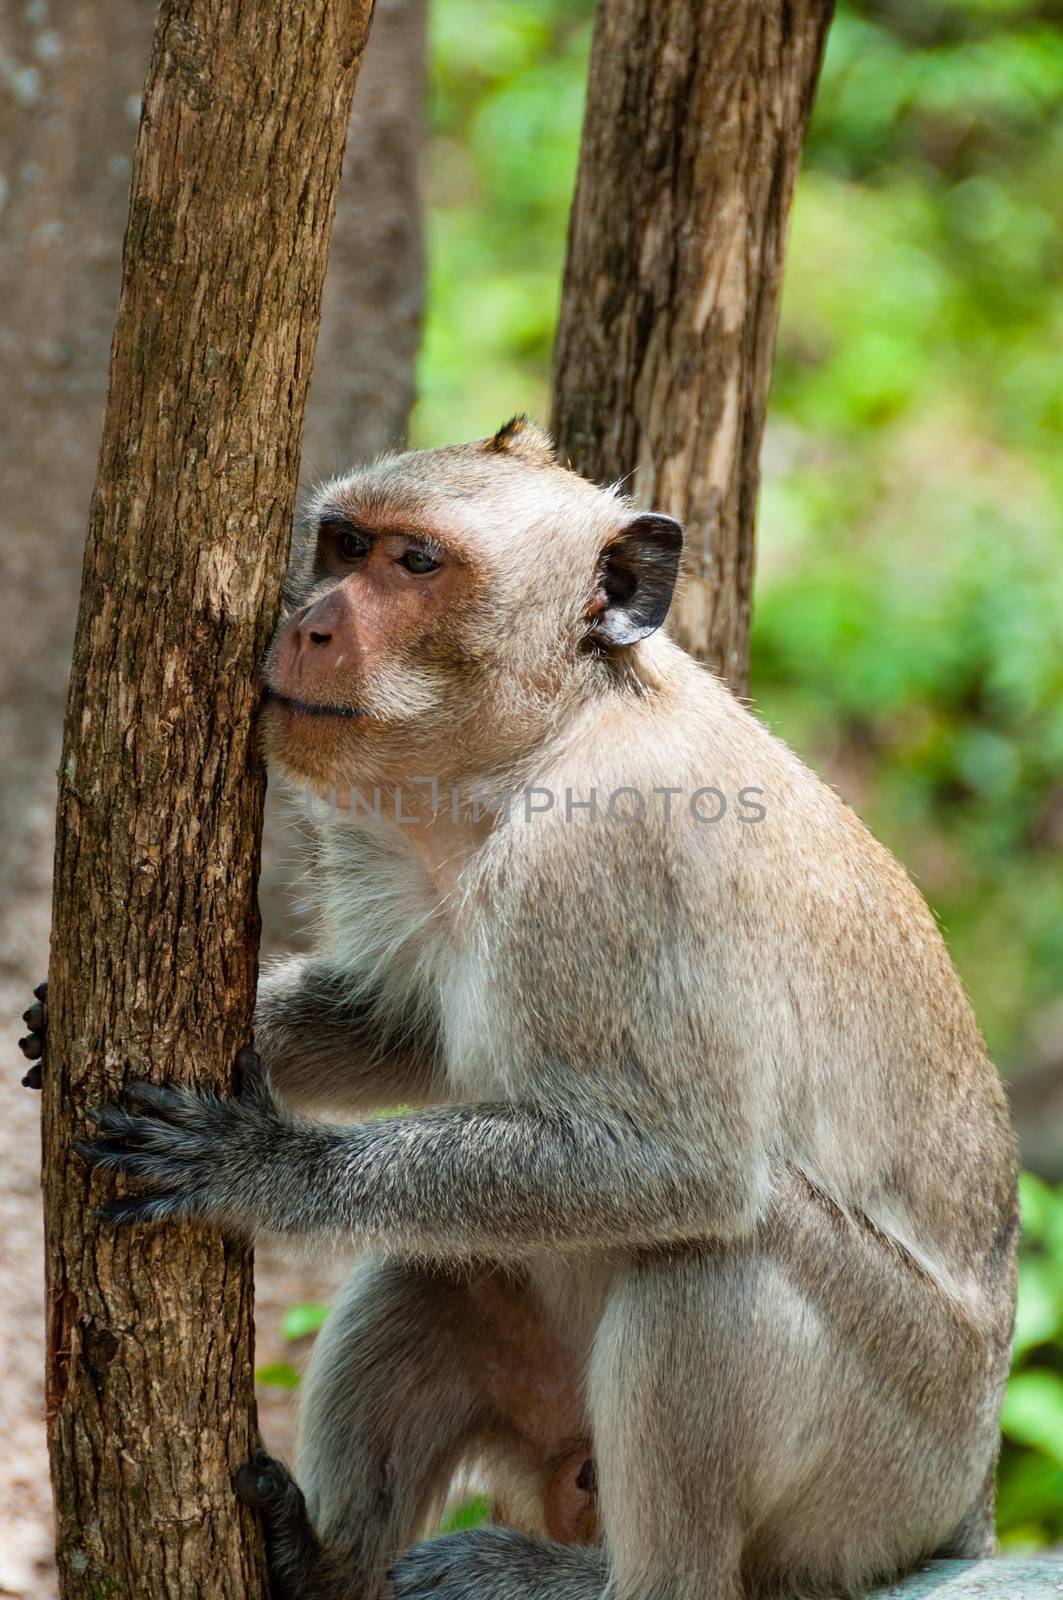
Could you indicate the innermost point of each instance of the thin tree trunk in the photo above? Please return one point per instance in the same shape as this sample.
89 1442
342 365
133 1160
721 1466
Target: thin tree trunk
695 119
154 929
363 385
72 72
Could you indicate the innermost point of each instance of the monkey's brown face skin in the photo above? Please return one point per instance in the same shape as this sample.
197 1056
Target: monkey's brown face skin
378 593
347 667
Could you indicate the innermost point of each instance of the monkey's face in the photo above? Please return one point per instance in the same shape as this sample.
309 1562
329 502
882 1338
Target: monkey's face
361 670
452 605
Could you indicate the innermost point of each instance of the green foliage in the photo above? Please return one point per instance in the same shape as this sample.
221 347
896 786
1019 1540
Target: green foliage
1030 1509
909 606
508 89
910 603
278 1375
300 1321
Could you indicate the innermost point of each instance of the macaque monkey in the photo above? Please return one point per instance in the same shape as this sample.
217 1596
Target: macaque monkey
695 1232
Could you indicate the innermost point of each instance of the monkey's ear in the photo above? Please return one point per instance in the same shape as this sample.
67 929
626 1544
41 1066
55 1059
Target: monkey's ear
520 439
636 580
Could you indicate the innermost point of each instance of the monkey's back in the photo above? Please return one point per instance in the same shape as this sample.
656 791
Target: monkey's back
791 954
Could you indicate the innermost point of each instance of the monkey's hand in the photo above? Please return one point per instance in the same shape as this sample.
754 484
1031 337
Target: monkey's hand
196 1156
32 1045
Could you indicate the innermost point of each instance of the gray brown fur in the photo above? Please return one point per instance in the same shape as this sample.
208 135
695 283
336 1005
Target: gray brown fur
705 1106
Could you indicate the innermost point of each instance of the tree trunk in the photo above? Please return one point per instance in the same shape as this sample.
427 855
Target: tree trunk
154 929
695 118
72 73
363 385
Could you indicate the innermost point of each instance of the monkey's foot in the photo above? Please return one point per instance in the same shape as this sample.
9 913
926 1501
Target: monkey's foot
32 1045
266 1485
494 1561
293 1550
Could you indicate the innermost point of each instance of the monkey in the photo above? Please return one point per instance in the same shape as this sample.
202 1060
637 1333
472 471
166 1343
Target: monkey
692 1223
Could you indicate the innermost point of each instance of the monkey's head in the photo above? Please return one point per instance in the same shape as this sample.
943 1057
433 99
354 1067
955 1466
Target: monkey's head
454 606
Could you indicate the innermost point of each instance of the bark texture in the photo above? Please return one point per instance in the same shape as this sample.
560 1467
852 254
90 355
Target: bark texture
695 118
154 930
363 385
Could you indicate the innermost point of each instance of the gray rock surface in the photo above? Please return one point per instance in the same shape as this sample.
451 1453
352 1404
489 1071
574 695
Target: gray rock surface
980 1580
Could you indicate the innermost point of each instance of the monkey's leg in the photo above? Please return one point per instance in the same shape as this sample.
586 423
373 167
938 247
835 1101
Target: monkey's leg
975 1537
299 1567
389 1403
666 1483
497 1564
807 1414
669 1431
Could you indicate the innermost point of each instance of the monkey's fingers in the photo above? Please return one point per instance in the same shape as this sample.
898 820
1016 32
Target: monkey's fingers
124 1157
32 1044
176 1103
142 1208
110 1155
113 1119
127 1159
168 1103
148 1147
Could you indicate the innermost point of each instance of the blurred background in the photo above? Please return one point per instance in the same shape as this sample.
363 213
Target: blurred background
908 615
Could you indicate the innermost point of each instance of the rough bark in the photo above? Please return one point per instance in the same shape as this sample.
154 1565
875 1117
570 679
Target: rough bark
72 73
154 928
695 119
363 385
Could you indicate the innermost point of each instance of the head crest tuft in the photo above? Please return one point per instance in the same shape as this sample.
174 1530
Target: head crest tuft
521 439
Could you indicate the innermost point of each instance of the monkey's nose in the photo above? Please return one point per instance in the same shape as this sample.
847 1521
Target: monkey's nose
313 630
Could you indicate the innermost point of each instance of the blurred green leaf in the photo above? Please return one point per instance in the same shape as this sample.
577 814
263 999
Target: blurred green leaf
1031 1489
300 1321
1033 1411
1040 1310
279 1375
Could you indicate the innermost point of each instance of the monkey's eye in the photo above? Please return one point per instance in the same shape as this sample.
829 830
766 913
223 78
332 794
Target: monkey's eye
418 562
352 546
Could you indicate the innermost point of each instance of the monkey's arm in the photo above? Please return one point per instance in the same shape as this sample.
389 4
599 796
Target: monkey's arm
324 1050
451 1182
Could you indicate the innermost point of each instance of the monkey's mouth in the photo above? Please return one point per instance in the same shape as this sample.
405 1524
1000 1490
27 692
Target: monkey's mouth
308 708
